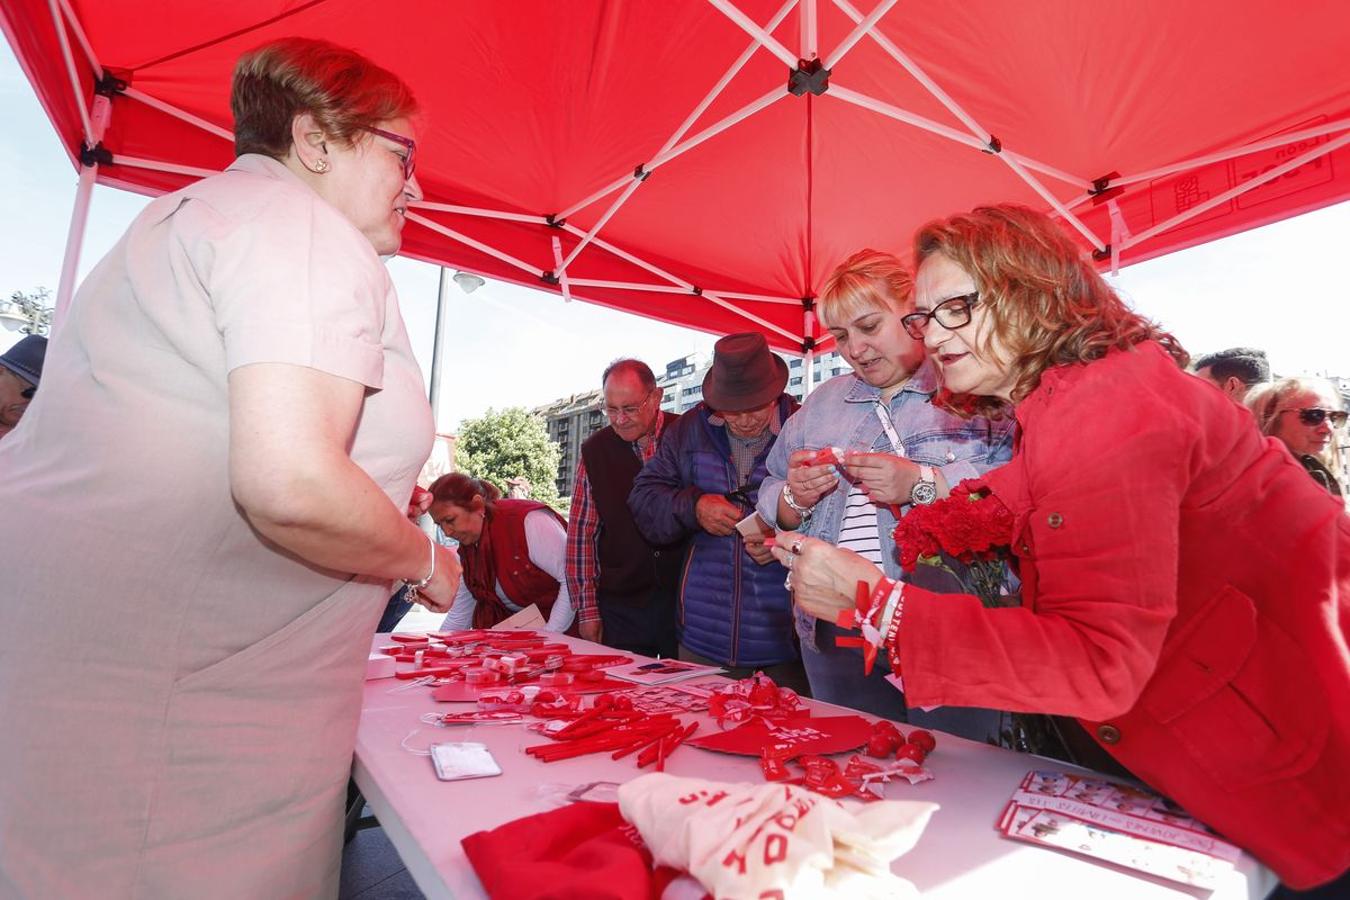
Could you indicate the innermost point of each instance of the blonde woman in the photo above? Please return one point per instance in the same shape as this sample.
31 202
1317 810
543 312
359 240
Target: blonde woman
1308 417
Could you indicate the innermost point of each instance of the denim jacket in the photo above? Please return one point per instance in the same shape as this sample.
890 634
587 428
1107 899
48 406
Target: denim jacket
841 413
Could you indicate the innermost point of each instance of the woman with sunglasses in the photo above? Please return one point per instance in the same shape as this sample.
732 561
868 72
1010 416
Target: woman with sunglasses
1185 586
234 409
1306 414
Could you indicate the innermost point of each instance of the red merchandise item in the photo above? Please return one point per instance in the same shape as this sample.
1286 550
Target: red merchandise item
584 851
1186 593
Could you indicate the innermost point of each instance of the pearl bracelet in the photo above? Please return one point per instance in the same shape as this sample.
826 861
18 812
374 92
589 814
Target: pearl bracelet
803 511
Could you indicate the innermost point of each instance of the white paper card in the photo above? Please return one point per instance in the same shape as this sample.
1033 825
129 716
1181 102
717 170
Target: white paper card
528 619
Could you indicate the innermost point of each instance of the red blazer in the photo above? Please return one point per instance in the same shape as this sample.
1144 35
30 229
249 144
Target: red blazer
1186 596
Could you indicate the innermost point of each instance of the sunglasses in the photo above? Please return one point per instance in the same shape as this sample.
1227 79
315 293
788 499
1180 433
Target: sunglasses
410 159
1314 415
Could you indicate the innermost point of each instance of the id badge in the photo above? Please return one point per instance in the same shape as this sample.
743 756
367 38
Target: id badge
460 760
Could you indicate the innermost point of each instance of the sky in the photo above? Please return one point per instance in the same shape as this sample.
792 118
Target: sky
1282 287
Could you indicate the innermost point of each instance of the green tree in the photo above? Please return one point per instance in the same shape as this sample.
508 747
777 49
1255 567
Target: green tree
511 443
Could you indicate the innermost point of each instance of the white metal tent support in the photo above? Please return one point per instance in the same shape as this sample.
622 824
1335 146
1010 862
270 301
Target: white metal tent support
1219 199
674 139
477 245
481 213
764 38
177 113
89 137
809 21
80 36
561 271
156 165
79 217
990 142
862 28
809 357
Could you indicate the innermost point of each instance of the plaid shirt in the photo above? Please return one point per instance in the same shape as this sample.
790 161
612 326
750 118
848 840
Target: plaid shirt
583 533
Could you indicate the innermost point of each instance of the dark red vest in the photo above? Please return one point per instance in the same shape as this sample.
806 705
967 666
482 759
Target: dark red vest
502 554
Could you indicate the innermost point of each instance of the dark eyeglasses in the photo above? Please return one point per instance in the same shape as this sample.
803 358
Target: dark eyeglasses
1314 415
409 161
951 314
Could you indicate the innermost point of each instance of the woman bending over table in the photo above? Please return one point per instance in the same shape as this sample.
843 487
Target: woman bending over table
514 553
234 413
1185 585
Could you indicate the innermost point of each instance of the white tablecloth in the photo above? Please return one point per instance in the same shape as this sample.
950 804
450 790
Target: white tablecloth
959 856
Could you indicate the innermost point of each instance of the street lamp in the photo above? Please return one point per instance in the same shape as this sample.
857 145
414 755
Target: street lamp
27 314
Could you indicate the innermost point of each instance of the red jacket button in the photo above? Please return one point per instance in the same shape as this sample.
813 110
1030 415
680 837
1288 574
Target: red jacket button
1055 520
1108 734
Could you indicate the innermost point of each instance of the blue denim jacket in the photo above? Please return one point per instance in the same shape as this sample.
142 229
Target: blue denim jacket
840 413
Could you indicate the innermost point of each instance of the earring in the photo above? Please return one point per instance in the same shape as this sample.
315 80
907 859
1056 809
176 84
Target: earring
321 165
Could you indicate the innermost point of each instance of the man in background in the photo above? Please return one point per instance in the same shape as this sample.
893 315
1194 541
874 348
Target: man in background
20 371
1235 370
623 586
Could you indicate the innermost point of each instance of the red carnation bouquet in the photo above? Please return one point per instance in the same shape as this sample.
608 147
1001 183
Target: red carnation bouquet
972 527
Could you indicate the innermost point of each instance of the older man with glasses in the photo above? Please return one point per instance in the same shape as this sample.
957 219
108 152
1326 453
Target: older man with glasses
20 372
623 586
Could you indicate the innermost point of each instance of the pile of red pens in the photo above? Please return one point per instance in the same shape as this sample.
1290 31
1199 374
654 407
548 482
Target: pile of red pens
618 731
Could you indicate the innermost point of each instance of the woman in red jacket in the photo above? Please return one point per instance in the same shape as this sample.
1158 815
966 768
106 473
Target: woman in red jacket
1185 585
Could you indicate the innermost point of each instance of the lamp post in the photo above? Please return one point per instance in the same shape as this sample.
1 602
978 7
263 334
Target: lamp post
28 314
468 283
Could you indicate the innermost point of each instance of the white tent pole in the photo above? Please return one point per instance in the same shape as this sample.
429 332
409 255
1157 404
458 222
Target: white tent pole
1268 144
863 27
809 364
699 109
80 36
740 115
1035 184
177 113
438 346
631 286
79 217
477 245
85 120
476 211
156 165
759 298
560 271
809 18
746 24
761 322
1220 199
743 113
601 222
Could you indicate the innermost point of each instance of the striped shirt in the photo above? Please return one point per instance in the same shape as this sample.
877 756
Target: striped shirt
858 530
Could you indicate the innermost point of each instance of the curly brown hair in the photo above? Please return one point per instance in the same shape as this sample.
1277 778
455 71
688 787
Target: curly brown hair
1047 303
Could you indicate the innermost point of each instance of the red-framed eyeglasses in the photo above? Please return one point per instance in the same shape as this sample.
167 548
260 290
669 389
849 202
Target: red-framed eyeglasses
410 160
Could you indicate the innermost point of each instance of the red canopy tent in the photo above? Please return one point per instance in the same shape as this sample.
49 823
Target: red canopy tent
707 162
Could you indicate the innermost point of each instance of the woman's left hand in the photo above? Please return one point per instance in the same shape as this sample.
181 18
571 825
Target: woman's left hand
824 577
886 477
420 502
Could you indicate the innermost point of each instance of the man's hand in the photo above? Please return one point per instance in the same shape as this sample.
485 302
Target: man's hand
717 515
887 478
758 550
591 631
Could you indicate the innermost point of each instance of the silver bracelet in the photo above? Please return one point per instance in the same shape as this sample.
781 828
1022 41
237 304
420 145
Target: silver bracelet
803 511
416 586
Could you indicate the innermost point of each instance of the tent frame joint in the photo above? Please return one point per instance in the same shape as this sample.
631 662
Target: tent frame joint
810 76
808 303
696 291
110 85
808 344
550 278
552 221
640 172
1104 253
993 146
97 155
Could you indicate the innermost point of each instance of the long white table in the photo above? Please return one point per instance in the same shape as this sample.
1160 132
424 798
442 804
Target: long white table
959 856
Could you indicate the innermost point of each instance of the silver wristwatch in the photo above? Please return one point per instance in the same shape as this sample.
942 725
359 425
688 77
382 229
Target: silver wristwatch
925 490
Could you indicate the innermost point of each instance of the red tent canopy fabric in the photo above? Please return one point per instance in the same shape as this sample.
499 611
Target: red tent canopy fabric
722 200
